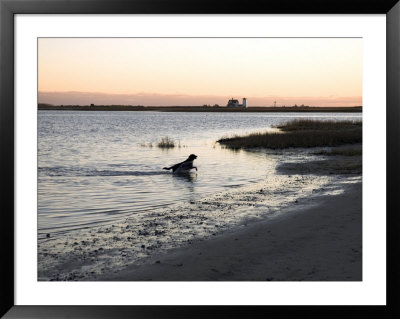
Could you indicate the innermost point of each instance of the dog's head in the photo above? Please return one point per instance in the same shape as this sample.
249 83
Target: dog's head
192 157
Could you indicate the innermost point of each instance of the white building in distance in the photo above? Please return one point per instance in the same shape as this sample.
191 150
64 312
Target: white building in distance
235 103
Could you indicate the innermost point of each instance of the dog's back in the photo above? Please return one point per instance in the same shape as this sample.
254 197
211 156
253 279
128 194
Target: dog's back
184 166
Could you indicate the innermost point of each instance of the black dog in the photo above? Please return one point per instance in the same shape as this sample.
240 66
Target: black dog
183 167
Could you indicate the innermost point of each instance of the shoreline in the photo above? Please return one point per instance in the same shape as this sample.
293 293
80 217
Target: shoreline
223 109
321 243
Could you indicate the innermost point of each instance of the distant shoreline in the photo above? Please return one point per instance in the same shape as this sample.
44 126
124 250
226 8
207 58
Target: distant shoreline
351 109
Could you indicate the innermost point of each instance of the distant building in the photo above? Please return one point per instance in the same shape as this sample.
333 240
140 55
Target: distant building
235 103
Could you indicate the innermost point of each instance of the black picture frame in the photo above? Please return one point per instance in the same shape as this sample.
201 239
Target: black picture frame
8 8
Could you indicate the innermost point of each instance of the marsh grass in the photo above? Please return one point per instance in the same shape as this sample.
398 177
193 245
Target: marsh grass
300 133
308 124
166 142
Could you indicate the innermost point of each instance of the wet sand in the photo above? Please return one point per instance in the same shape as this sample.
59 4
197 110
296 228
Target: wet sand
318 243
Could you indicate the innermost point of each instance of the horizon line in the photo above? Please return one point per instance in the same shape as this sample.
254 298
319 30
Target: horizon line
182 99
208 106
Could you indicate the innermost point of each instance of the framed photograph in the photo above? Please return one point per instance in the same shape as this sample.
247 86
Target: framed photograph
160 154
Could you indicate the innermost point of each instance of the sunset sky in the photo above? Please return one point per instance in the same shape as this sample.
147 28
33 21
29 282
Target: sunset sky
197 71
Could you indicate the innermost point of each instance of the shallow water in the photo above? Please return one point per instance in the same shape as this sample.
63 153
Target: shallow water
96 168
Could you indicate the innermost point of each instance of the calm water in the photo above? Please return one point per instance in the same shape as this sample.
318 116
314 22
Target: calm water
96 167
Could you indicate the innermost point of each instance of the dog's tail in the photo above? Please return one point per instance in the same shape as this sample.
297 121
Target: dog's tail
167 168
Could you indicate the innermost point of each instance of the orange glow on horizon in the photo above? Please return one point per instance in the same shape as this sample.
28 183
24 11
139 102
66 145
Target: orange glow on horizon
197 71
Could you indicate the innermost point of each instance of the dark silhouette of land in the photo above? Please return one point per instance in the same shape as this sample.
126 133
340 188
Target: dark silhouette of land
93 107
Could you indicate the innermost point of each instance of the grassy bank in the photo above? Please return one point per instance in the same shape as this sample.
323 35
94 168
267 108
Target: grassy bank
300 133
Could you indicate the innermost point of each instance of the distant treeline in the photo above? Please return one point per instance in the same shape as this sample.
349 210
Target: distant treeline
93 107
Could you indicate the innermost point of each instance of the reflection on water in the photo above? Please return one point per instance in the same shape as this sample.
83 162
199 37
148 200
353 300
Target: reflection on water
97 167
186 177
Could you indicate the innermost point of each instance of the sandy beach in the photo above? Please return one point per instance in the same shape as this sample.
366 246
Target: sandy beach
322 243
